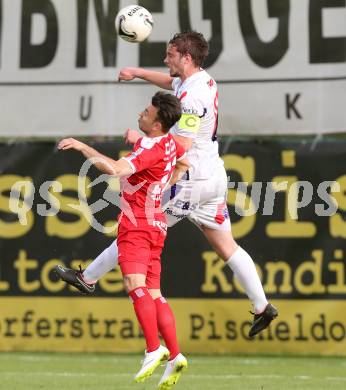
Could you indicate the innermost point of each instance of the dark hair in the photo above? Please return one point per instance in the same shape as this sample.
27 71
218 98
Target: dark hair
168 109
193 43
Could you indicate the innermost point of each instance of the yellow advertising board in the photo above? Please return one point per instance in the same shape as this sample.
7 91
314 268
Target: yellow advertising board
204 325
298 247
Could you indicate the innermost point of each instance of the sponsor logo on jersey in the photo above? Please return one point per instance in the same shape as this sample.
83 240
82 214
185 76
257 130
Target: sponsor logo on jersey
190 110
177 216
161 225
180 204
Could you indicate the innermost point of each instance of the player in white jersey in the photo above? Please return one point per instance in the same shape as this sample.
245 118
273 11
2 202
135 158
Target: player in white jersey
199 99
201 195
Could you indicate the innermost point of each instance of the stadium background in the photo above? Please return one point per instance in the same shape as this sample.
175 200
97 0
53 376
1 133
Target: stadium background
281 69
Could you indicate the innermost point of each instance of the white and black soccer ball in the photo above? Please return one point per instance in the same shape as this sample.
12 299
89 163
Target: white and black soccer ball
134 23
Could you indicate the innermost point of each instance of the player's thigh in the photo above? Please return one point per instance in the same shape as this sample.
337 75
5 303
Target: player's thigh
134 252
222 241
153 279
132 280
185 200
213 219
155 293
212 214
134 246
212 209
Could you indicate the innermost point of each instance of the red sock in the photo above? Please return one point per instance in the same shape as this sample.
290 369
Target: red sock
145 310
166 325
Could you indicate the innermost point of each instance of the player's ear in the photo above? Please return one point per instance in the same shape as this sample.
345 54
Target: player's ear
158 126
188 58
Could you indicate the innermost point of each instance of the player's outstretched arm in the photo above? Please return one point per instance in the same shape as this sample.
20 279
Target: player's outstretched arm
103 163
180 168
162 80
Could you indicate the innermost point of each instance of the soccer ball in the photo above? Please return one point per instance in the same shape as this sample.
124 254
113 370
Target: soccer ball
134 23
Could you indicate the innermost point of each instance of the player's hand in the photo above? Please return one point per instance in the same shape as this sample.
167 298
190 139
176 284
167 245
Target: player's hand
127 74
70 143
131 136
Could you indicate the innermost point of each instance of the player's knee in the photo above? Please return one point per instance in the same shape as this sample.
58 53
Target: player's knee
155 293
225 249
133 281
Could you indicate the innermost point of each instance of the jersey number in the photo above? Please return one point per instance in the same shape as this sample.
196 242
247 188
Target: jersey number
169 151
216 116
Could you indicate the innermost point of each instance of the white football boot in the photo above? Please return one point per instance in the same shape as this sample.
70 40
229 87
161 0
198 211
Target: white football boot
150 362
172 373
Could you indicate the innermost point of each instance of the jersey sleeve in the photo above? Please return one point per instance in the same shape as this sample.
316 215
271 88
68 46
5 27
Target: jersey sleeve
144 155
189 123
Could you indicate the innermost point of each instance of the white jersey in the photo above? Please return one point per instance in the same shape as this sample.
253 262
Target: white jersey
199 99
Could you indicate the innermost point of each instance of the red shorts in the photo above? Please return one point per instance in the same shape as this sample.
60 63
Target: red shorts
140 250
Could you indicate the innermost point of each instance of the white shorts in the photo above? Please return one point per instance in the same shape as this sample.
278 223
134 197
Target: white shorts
203 202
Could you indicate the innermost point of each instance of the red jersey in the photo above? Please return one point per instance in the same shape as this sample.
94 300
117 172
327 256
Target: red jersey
152 161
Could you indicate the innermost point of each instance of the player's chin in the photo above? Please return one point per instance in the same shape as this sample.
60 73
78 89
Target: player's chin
173 73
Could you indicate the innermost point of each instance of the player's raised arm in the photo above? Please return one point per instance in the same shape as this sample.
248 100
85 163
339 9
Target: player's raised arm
103 163
162 80
131 136
180 168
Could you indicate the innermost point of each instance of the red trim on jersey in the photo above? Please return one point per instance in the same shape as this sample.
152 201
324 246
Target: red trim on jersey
216 116
182 95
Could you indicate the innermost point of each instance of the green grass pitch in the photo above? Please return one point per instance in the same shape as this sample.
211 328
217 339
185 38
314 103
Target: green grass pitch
26 371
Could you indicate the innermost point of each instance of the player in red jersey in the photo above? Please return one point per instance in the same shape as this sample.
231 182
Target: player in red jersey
156 160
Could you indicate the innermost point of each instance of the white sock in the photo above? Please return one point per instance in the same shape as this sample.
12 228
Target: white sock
245 271
104 262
